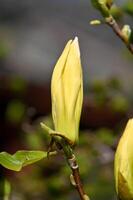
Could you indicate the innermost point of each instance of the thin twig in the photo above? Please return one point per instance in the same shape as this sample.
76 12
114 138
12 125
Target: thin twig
76 176
71 159
115 27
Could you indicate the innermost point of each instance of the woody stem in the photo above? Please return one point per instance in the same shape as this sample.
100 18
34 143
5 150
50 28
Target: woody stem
117 30
71 160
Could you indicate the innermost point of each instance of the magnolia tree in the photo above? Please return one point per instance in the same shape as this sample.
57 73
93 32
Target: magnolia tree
105 8
67 98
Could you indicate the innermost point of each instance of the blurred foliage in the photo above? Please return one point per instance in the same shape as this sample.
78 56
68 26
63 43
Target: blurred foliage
35 135
17 84
1 186
109 92
3 49
116 12
51 179
119 104
128 7
5 189
106 136
125 8
15 111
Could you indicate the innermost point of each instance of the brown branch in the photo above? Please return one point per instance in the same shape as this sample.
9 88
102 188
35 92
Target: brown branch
76 176
115 27
71 160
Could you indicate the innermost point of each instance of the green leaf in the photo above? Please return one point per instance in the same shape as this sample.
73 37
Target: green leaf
101 5
21 159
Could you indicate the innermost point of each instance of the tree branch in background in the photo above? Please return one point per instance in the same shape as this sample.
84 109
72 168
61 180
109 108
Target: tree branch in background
125 33
115 27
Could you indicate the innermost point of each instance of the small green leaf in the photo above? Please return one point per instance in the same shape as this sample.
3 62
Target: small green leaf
101 5
46 128
20 159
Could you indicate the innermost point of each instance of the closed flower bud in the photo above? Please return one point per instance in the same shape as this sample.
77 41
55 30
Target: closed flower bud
126 31
67 92
124 164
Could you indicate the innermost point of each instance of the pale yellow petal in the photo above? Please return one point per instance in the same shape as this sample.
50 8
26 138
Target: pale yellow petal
124 163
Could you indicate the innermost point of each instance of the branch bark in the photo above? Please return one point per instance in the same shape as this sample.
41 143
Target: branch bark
115 27
71 160
76 176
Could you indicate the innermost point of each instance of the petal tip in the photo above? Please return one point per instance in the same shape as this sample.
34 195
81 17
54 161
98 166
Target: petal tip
76 43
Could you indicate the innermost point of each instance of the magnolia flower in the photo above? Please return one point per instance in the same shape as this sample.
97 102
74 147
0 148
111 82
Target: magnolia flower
67 93
124 164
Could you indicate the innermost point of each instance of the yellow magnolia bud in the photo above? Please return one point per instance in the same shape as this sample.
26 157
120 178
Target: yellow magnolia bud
124 164
67 92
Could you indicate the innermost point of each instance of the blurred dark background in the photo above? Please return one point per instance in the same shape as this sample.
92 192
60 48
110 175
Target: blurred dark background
32 37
